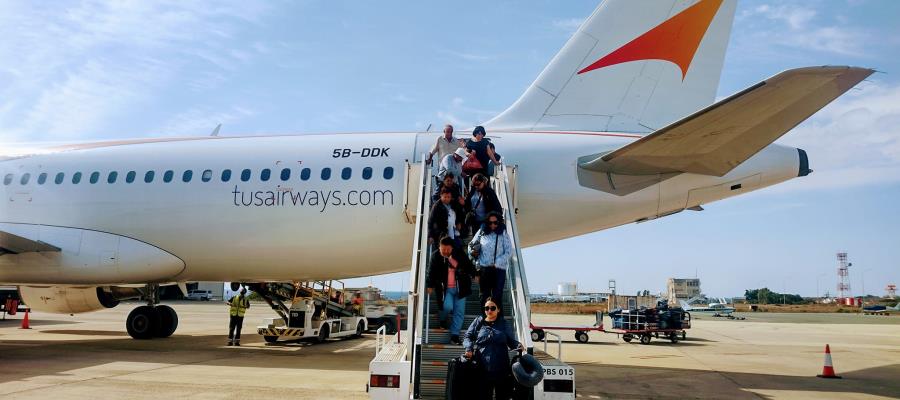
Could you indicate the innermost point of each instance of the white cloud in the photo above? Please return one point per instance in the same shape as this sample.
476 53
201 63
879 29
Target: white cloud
202 121
458 114
804 30
69 69
570 25
855 141
468 56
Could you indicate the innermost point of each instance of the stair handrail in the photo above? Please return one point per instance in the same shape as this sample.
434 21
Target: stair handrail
418 272
516 269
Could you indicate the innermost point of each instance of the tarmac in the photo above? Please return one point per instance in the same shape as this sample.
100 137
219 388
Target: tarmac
765 356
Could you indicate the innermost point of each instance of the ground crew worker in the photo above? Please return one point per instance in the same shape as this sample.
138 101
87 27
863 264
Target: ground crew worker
238 306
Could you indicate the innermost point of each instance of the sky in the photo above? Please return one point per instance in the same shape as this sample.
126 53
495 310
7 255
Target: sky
84 70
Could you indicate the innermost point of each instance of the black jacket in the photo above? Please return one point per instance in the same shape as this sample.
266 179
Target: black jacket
491 202
437 219
437 273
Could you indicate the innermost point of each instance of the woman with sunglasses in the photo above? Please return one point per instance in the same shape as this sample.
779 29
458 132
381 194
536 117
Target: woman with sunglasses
489 340
481 201
491 249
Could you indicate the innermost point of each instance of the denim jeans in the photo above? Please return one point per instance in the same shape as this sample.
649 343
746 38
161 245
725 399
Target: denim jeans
456 305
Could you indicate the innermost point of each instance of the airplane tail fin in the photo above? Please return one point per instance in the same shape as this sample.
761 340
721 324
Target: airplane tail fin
630 67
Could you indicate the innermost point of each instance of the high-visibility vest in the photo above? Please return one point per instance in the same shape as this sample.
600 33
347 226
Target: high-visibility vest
239 306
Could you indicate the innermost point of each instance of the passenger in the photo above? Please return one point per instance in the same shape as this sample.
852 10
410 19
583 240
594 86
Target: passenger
445 145
489 340
452 164
450 276
484 152
482 200
445 218
238 305
449 182
492 250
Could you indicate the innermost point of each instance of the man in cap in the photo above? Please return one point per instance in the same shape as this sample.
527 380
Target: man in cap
452 164
238 305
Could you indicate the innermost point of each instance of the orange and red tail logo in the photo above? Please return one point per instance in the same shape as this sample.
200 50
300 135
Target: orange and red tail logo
676 40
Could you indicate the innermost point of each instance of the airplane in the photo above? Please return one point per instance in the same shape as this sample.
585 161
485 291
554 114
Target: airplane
621 126
716 309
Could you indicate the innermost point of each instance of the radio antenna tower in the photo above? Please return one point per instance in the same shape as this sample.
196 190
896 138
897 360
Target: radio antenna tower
843 271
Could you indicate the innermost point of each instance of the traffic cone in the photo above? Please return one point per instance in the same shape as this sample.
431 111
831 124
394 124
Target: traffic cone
25 324
828 369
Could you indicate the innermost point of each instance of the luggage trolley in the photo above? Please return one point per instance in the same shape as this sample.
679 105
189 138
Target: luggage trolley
645 324
581 332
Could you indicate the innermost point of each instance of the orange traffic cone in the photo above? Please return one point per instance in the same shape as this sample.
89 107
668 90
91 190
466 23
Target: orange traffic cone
25 324
828 369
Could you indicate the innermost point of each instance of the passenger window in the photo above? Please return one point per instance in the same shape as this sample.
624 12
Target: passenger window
129 177
148 177
7 179
245 175
285 174
367 173
111 178
76 178
25 179
304 174
59 178
388 172
42 178
346 172
226 175
95 176
167 177
207 175
326 174
265 174
187 175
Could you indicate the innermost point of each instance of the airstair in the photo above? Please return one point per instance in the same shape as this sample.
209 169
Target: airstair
413 364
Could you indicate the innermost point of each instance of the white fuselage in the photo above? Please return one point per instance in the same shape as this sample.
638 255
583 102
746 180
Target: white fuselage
298 229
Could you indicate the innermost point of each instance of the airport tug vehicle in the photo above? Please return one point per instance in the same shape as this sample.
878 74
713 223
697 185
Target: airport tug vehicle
317 312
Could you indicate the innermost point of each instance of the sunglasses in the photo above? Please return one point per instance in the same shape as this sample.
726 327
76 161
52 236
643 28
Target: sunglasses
493 223
490 308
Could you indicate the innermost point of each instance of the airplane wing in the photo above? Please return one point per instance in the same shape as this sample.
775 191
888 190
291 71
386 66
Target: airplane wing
10 243
715 140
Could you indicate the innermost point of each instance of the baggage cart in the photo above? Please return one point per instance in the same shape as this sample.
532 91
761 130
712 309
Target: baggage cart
581 332
646 324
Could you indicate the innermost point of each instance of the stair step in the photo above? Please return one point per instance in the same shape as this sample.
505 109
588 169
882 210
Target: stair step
429 390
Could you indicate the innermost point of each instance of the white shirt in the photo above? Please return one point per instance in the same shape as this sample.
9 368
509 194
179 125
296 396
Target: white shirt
442 147
451 222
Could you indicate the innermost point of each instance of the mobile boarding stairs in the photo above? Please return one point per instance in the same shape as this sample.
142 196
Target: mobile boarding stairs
413 363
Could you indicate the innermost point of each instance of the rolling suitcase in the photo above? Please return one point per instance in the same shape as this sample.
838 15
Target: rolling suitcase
462 374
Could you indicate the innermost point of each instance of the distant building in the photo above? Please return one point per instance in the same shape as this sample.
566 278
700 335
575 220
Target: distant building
682 289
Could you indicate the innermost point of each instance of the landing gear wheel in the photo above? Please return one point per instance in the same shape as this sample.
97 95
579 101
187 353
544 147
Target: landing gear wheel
270 339
142 322
168 321
673 337
645 338
537 335
581 336
627 337
360 328
323 334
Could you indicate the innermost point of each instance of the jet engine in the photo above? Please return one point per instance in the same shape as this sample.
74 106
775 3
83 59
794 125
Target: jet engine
74 299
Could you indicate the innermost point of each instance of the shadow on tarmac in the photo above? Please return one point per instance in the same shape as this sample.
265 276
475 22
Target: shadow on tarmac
629 381
59 357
